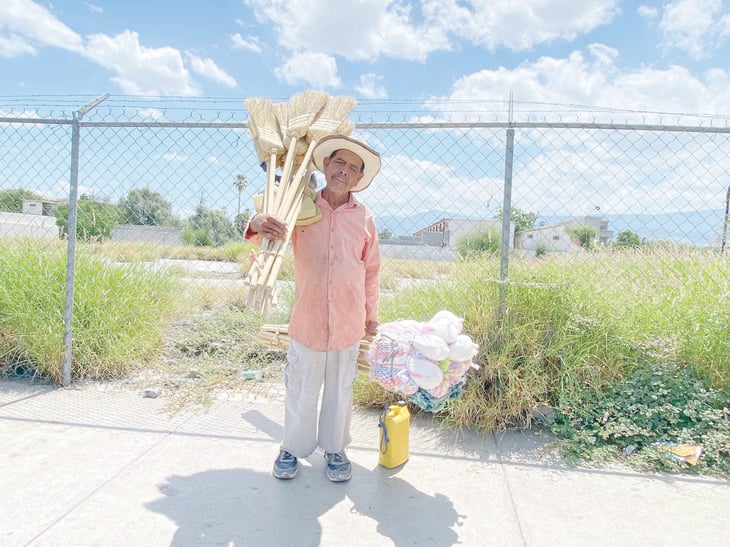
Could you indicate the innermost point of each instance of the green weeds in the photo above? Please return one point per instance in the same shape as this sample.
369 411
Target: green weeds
119 313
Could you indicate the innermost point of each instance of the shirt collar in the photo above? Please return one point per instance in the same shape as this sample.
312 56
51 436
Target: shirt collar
352 201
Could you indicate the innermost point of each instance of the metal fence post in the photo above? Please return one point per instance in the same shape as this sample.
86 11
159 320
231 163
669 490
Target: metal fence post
506 215
725 220
71 234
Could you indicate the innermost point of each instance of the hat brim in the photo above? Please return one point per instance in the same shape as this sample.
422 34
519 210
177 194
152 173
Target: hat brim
370 158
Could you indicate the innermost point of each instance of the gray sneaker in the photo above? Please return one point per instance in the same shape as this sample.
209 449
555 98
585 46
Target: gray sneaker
339 468
285 466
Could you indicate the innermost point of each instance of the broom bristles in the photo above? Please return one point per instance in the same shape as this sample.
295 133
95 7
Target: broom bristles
264 118
303 107
331 117
346 128
253 105
260 153
281 111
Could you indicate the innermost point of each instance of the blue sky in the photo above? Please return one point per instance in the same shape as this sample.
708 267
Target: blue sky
616 59
660 56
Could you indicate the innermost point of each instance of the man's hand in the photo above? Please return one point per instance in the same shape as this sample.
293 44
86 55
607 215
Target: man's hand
371 328
268 226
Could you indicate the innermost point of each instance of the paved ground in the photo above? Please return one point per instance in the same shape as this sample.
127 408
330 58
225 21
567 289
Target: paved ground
102 465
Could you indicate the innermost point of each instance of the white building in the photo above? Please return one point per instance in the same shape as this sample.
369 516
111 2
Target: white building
557 239
156 235
548 239
20 225
448 231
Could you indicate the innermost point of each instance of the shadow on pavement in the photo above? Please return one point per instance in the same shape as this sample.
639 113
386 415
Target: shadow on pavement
241 506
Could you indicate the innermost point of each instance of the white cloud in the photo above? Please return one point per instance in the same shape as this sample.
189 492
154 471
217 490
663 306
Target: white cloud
141 70
93 7
520 25
369 87
432 184
358 30
366 31
150 113
352 29
249 43
208 69
647 12
314 69
696 27
15 46
596 79
175 157
138 70
36 25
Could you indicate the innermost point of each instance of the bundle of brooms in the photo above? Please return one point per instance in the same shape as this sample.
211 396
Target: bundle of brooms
277 337
285 135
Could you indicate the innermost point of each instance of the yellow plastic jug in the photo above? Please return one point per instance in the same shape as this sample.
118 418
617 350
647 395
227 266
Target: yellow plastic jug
395 421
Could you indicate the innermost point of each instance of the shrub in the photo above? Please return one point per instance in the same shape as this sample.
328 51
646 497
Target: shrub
479 243
94 219
197 238
656 404
120 313
627 238
586 236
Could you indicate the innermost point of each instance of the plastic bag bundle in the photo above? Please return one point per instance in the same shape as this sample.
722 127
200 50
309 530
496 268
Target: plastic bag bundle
426 362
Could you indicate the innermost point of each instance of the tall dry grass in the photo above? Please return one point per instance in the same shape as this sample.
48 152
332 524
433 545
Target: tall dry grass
120 312
576 323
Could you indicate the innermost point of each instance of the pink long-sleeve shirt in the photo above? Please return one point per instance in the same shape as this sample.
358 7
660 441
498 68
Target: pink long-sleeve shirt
337 271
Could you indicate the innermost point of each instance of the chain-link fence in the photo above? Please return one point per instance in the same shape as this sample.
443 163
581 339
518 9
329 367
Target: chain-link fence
170 175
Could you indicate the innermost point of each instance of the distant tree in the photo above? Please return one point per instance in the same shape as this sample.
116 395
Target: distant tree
241 221
523 221
479 243
143 206
12 200
627 238
385 234
94 219
197 238
214 225
586 236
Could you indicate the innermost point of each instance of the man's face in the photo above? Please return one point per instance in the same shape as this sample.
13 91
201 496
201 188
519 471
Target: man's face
343 170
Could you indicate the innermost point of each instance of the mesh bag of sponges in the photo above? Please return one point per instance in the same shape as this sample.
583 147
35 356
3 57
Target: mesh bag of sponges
425 362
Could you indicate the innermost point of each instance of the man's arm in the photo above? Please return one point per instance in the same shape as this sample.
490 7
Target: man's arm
371 257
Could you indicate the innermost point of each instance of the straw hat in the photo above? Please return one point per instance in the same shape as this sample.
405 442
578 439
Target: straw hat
370 157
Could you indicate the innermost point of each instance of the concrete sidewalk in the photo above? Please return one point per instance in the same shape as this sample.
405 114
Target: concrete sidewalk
101 465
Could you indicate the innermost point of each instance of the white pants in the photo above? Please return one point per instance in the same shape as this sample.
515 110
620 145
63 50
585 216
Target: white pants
305 372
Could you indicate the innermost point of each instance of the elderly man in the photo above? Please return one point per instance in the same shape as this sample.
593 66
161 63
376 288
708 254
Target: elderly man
336 268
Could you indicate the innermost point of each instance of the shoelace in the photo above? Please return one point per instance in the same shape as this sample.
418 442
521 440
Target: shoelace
336 459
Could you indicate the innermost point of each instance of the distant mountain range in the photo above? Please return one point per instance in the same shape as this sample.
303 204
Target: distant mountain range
699 228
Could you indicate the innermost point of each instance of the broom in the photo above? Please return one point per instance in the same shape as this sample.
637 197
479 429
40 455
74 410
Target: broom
331 118
301 111
264 292
281 111
278 250
252 104
264 128
277 337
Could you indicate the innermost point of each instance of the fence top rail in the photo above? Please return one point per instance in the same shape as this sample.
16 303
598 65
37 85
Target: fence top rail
545 125
388 125
36 121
